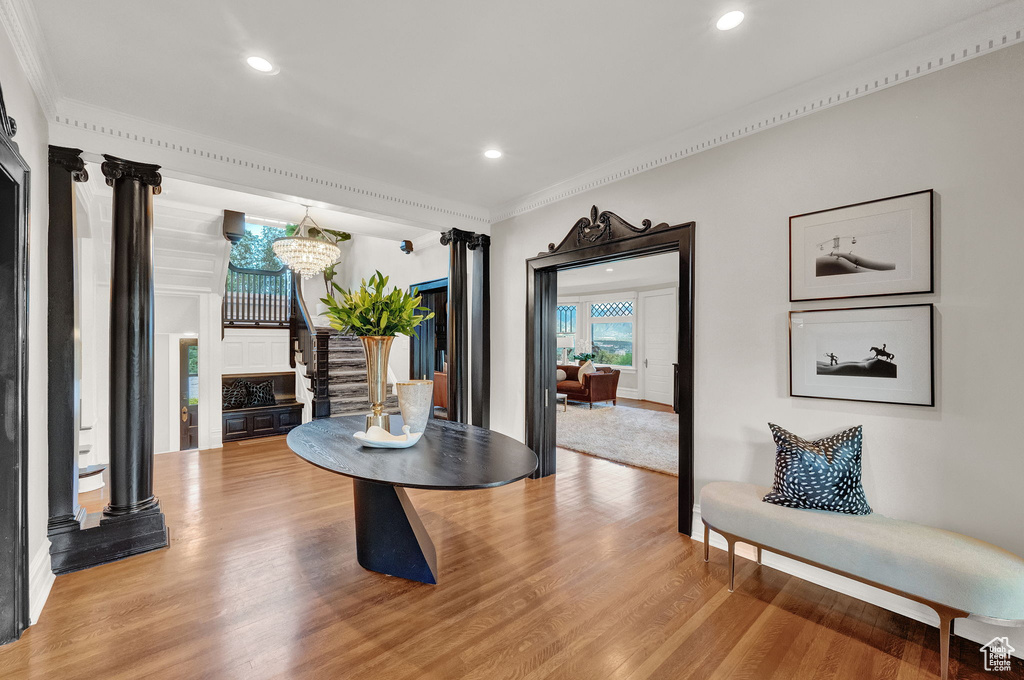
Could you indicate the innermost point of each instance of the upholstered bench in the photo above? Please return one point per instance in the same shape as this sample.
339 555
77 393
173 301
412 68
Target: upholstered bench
955 575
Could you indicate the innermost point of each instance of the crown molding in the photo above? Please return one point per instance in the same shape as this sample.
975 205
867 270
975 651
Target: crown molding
982 34
19 18
189 155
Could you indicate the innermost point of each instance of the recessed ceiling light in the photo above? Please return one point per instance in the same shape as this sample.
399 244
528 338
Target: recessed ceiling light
609 269
493 153
730 20
260 64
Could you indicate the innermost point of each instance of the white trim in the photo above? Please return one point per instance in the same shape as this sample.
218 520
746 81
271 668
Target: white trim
40 580
196 157
981 34
972 630
19 17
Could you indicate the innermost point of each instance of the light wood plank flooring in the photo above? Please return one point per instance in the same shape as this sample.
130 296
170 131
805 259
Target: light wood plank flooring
581 575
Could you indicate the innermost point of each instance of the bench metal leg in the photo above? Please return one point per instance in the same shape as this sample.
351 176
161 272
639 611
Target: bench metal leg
732 565
707 541
945 633
758 554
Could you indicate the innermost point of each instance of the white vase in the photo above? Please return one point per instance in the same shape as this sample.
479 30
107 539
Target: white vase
415 398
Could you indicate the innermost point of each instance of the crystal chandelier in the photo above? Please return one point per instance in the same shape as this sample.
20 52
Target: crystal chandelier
305 255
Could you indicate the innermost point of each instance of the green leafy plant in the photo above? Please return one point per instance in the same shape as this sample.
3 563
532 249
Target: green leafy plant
373 311
584 356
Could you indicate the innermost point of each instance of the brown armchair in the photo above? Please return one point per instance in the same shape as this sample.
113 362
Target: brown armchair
592 388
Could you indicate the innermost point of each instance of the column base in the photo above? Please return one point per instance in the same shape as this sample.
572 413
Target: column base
104 539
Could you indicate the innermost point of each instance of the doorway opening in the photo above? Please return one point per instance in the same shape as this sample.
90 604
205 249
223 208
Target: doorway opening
428 350
604 239
616 339
188 369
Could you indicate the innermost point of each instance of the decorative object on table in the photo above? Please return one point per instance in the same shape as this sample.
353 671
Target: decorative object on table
819 475
376 317
415 398
379 438
880 247
309 249
881 354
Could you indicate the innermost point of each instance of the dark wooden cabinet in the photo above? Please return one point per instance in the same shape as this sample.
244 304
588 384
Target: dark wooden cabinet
261 421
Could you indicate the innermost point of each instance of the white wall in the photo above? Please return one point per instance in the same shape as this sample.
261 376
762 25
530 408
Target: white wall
364 255
255 351
959 465
32 137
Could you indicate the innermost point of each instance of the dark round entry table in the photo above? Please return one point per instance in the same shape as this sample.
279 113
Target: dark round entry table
390 537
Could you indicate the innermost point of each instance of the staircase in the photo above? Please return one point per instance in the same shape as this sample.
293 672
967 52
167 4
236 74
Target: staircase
348 390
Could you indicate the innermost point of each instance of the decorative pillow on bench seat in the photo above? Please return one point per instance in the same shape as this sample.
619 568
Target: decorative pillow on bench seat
236 395
819 475
262 394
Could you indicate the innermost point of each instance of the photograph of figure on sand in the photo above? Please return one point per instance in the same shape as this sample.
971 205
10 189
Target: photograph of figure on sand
880 363
881 354
880 247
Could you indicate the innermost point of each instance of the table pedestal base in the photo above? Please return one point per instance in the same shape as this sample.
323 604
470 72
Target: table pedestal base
390 538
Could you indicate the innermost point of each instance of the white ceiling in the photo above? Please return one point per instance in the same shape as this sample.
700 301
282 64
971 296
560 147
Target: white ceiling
411 93
638 272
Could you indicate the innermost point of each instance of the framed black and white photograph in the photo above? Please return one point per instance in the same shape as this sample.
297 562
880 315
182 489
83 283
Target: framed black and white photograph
880 247
882 354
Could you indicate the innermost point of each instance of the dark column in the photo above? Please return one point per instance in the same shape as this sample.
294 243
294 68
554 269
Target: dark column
132 523
131 337
480 337
64 351
458 324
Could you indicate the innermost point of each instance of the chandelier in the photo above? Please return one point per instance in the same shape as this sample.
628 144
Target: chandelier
304 254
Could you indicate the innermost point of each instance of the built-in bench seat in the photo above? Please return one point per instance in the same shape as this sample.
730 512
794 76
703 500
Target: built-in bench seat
955 575
263 421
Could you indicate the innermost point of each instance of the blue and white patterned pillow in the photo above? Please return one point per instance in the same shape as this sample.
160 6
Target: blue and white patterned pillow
819 475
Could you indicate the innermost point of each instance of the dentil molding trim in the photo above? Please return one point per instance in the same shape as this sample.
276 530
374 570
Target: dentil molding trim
982 34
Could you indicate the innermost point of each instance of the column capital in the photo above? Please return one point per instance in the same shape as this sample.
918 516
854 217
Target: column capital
71 160
116 168
456 236
479 241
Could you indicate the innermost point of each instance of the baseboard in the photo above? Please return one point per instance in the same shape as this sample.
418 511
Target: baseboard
627 393
974 631
40 580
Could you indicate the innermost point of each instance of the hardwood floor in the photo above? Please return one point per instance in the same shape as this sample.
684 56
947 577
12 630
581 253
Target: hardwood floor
580 575
644 404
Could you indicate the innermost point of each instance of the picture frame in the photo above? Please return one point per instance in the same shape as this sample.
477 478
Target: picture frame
874 248
877 354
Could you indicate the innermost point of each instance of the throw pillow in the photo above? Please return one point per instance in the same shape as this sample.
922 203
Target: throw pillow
587 369
560 375
819 475
235 395
262 394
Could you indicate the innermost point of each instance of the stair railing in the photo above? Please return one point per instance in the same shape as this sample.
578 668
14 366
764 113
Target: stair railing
311 348
257 298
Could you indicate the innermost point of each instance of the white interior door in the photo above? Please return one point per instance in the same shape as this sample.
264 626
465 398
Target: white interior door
658 318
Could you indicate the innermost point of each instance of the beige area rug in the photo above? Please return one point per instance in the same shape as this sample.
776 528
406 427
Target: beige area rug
634 436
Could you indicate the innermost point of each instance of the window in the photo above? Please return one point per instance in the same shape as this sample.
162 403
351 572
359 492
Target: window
193 374
613 343
611 332
566 332
254 250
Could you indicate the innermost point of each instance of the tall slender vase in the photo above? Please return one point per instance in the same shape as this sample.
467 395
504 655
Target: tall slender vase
377 349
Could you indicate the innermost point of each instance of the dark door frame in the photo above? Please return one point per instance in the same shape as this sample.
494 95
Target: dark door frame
602 238
421 345
14 215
